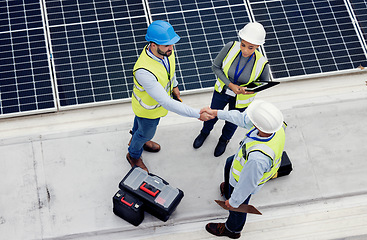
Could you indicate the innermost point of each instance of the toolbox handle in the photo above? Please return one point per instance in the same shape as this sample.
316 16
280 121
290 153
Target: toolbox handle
142 187
129 204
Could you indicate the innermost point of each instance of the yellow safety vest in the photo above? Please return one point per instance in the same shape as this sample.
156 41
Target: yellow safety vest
272 148
142 103
242 100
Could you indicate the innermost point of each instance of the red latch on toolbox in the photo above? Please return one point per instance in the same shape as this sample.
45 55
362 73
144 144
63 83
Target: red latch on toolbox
149 191
129 204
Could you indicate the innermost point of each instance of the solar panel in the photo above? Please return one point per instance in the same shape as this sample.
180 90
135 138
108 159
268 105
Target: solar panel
359 9
25 83
204 27
308 37
95 45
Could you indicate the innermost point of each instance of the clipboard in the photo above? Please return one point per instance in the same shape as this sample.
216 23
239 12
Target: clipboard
242 208
258 86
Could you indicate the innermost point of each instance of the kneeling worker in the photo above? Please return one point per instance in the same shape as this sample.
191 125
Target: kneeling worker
256 161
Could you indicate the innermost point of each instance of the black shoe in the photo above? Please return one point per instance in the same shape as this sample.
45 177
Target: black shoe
221 147
219 229
199 140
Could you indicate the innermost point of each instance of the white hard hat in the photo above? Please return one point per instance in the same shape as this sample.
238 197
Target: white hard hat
253 33
265 116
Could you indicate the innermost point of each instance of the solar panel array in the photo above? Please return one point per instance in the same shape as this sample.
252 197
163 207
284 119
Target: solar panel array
25 82
308 36
62 54
359 9
205 27
94 47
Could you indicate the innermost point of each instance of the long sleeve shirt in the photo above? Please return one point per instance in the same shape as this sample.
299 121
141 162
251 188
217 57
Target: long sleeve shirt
257 163
217 68
156 91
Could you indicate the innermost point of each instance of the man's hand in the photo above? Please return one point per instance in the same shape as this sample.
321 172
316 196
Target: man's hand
206 114
210 111
228 205
176 92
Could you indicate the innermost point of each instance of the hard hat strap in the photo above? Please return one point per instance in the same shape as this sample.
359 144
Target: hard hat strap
258 139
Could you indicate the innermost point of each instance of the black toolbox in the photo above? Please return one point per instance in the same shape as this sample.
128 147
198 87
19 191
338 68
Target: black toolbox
128 207
159 198
285 166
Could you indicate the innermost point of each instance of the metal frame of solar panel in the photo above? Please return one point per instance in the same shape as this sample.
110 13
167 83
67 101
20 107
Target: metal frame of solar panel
95 43
25 84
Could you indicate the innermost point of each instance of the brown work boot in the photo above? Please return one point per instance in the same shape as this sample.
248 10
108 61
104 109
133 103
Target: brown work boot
136 162
149 146
219 229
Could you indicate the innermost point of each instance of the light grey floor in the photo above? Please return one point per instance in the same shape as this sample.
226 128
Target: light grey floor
60 170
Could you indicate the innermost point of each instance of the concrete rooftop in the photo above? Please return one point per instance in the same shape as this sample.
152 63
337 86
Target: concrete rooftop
60 170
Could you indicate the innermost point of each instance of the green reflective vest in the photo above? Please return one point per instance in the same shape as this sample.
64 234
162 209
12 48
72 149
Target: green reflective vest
142 103
242 100
272 148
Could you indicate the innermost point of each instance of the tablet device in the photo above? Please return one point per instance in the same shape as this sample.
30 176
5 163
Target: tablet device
258 86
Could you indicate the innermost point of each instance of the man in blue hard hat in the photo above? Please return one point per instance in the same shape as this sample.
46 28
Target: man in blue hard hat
154 86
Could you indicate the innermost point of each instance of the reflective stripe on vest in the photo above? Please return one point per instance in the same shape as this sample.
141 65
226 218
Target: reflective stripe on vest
138 87
245 101
273 149
150 107
143 105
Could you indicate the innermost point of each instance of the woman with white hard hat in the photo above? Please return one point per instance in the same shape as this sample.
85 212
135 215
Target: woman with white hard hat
237 65
256 161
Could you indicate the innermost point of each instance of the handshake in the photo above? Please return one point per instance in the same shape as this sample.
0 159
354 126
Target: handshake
207 113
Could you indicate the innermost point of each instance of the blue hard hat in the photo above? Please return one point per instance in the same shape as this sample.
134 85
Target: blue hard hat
161 33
